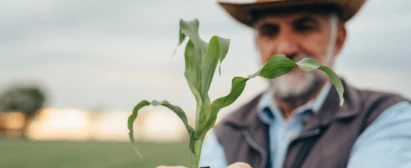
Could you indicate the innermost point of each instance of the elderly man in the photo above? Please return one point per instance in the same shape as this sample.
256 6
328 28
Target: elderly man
298 122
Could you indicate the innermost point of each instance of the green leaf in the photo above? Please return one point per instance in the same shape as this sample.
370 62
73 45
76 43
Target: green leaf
190 29
195 49
224 46
209 65
192 70
217 50
176 109
192 64
181 35
308 64
336 81
237 87
130 123
193 74
194 53
276 66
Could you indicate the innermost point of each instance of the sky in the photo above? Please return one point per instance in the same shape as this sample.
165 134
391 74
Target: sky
92 54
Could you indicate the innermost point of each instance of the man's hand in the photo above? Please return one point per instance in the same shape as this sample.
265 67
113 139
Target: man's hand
235 165
239 165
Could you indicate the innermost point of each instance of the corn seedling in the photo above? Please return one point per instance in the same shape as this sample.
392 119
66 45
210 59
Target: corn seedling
201 60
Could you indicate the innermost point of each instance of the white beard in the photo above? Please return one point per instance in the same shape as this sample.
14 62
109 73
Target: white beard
293 85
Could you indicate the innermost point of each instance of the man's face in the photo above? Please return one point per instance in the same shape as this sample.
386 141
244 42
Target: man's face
299 35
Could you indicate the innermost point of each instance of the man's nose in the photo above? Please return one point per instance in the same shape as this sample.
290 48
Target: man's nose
286 44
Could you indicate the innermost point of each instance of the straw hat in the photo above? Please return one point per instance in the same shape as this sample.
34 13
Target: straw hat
242 11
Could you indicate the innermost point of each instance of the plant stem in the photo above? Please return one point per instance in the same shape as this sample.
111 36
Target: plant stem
198 114
193 161
197 151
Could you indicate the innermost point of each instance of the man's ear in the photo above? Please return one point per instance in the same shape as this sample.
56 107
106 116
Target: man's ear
341 36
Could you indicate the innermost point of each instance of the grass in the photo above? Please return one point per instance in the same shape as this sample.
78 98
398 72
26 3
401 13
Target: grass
30 154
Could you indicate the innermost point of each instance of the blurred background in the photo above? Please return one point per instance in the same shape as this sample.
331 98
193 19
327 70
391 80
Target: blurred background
71 72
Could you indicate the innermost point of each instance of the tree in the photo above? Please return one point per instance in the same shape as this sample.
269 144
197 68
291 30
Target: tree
22 98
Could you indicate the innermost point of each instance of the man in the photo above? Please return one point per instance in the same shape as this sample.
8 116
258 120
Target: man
298 122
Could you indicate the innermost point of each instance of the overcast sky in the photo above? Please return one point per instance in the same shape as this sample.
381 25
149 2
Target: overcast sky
111 54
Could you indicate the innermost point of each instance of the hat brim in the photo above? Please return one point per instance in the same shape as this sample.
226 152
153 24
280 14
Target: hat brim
242 11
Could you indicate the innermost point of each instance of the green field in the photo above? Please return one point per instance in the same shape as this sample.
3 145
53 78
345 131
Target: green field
28 154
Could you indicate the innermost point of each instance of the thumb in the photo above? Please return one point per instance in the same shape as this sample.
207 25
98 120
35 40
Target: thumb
239 165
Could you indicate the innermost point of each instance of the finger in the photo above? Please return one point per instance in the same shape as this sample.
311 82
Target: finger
239 165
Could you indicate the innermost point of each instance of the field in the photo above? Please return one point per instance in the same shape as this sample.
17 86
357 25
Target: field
29 154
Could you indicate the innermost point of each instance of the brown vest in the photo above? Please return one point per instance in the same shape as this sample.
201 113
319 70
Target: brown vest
324 142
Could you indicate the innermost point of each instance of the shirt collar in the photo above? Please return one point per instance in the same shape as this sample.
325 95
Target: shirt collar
268 109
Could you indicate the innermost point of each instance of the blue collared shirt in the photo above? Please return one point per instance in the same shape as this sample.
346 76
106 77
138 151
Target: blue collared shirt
385 143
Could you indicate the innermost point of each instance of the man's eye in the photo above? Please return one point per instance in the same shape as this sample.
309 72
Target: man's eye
268 31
